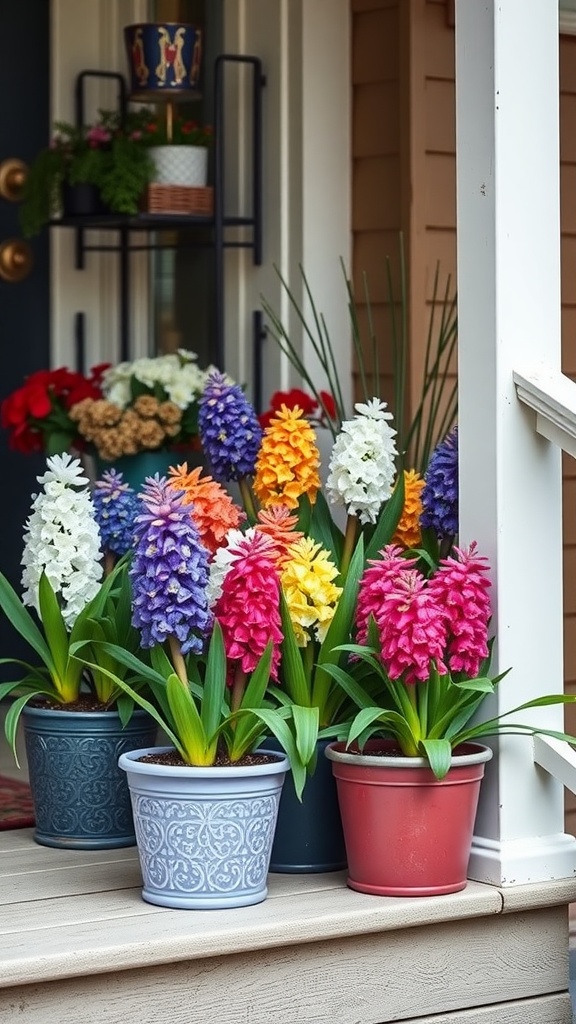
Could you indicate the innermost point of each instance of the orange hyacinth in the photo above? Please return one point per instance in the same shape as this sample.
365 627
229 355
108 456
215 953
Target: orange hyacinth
278 524
408 533
288 460
214 511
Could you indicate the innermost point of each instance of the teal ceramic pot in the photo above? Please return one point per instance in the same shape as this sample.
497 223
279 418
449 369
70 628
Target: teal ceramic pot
204 834
136 468
81 800
309 835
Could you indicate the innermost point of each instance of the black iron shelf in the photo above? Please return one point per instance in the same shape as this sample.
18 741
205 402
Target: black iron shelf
219 224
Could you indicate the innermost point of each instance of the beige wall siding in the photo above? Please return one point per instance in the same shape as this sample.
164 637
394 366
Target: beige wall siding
376 154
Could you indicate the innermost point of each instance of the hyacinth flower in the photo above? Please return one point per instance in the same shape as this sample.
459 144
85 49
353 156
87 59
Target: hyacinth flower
230 433
62 582
212 509
116 506
362 471
190 651
440 494
425 640
408 533
288 460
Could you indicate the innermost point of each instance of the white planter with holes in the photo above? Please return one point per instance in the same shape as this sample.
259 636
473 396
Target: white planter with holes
180 165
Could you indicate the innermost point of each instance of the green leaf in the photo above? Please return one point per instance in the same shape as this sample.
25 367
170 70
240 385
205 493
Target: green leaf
306 728
481 683
23 622
293 674
13 717
387 521
439 755
188 725
215 682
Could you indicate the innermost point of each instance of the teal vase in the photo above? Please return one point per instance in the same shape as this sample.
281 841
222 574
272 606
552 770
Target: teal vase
136 468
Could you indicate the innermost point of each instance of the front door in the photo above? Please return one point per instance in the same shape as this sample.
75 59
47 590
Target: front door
24 304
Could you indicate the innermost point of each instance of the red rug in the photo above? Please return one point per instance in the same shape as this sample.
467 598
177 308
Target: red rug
16 810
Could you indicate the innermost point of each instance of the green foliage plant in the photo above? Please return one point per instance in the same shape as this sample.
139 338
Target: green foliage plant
58 676
201 715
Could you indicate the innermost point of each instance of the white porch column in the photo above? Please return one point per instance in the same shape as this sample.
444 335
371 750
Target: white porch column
510 478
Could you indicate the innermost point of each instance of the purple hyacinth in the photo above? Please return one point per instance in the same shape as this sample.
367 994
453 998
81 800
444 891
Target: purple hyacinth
169 571
440 494
229 429
116 507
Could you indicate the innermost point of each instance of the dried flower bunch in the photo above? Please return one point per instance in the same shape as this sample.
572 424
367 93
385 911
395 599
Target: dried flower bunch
147 425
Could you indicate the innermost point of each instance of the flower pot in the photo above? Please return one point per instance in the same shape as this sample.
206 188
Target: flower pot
309 835
82 200
406 833
204 835
81 800
180 165
136 468
163 57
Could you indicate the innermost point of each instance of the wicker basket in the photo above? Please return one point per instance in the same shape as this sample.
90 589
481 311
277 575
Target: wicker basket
179 199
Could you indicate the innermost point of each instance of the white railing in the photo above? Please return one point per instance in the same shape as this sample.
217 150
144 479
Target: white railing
552 397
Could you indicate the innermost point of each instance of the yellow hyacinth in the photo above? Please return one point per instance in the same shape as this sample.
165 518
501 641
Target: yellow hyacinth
311 595
288 460
408 533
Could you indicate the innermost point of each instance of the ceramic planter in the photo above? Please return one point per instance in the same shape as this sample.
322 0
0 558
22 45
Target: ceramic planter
204 835
163 57
406 833
82 200
81 800
180 165
309 835
136 468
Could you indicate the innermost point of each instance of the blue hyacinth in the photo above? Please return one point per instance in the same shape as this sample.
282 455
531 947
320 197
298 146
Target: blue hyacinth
169 572
116 507
440 494
229 429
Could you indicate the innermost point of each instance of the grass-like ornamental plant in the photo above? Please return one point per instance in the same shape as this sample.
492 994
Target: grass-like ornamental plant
423 641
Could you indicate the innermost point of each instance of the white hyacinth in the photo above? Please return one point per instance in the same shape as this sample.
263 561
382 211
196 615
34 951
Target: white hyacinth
62 538
361 472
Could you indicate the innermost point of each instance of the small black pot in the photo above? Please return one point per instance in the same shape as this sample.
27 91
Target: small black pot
82 200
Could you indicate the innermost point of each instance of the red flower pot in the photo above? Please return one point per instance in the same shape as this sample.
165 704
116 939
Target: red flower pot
406 833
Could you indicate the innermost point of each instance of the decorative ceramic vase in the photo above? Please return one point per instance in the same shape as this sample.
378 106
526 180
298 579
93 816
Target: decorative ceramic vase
180 165
81 800
406 832
309 835
163 57
204 835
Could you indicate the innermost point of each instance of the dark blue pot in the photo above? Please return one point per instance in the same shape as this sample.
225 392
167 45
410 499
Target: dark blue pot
163 57
81 799
309 836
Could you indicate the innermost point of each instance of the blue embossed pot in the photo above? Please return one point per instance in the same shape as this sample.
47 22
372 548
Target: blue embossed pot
204 835
81 800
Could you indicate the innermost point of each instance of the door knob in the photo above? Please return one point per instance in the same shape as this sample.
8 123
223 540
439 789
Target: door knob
15 260
13 174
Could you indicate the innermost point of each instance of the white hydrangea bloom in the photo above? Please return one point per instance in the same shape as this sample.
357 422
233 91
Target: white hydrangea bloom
61 537
177 373
361 472
224 557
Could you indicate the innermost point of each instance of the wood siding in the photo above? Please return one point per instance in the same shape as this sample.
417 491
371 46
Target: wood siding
404 179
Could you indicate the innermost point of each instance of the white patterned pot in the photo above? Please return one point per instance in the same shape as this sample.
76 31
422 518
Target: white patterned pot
204 835
180 165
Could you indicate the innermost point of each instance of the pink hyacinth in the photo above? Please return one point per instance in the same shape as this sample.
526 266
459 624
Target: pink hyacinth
248 609
413 633
460 587
377 581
